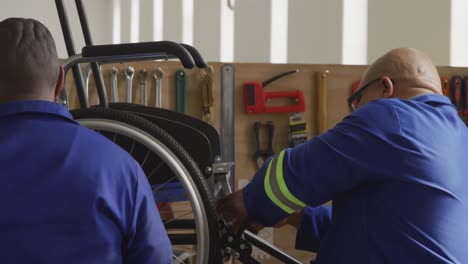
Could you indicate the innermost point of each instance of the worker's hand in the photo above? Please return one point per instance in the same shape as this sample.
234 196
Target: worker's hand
232 209
293 219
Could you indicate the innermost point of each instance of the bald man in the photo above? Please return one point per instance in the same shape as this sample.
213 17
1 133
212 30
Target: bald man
395 169
67 194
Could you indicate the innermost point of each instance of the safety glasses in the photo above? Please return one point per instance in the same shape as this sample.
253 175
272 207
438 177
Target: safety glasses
353 100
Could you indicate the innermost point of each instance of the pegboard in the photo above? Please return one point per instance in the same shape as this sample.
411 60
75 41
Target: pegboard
339 81
193 89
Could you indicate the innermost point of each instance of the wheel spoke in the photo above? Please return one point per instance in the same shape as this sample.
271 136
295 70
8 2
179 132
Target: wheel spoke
146 157
155 169
164 184
175 211
178 259
131 150
173 219
191 217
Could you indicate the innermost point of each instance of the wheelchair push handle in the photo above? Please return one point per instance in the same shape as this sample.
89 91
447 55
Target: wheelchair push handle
142 48
197 57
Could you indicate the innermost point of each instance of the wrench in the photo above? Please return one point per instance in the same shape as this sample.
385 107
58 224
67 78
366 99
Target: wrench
158 75
180 91
114 86
87 74
128 83
207 91
143 87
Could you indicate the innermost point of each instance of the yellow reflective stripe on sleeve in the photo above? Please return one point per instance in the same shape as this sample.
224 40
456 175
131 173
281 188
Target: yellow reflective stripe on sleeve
269 190
282 185
276 189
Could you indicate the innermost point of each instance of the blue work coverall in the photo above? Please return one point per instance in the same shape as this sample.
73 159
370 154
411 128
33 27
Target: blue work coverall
69 195
397 172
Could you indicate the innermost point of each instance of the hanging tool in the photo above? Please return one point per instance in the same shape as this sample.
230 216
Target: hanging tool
261 155
227 131
297 129
354 89
444 81
258 152
158 75
255 97
128 83
456 92
321 79
143 87
87 75
180 91
465 95
207 92
355 86
114 85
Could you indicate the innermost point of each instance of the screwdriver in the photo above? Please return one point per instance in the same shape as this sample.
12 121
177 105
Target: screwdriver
444 80
456 92
354 89
465 95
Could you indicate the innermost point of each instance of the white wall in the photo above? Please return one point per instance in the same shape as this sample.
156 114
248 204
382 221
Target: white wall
207 33
458 33
252 30
316 30
422 24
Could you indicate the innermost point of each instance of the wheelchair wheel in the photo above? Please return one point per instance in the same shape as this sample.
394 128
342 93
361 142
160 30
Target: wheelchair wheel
186 205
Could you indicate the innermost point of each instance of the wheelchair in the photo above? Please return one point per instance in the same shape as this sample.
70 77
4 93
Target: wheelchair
180 154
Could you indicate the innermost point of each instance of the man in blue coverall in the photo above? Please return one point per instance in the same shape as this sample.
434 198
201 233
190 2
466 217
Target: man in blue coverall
396 169
67 194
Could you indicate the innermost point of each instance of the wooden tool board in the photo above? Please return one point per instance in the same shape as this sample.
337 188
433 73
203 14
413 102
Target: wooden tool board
339 81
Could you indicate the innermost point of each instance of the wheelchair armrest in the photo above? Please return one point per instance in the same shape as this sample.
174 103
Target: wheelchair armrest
199 61
142 48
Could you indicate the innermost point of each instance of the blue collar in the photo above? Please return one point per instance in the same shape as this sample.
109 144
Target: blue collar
19 107
436 98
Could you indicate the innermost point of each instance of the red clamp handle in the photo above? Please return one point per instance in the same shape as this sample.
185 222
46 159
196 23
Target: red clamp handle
299 106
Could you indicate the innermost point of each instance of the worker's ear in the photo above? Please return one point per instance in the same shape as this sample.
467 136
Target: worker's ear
387 83
59 84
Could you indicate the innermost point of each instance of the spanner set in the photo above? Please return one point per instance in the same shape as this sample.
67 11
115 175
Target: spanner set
128 74
150 85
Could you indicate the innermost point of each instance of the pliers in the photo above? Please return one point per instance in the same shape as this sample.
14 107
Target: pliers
262 155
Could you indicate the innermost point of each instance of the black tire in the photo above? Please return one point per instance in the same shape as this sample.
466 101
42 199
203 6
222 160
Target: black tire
199 139
200 182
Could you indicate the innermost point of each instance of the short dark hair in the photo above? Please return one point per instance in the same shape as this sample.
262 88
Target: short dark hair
28 57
